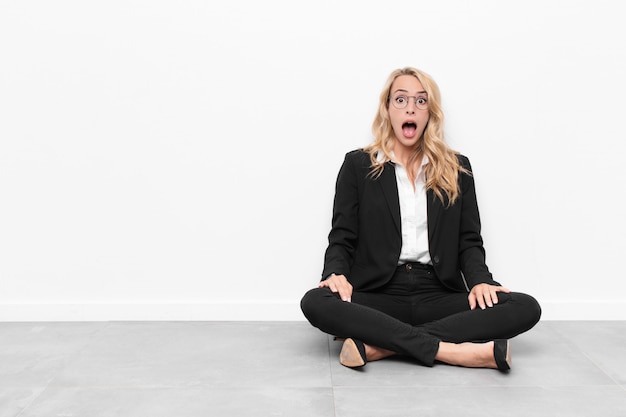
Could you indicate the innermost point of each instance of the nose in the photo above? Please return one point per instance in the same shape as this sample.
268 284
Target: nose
411 106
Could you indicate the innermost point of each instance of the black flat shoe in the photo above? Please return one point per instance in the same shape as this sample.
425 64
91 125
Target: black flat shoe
352 353
502 354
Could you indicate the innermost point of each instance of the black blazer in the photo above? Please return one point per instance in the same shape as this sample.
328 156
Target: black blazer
365 240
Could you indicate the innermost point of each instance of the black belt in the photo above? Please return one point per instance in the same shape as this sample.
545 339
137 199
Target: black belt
416 265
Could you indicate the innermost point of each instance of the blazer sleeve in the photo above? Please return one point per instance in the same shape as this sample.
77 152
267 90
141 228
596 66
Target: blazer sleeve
343 235
471 249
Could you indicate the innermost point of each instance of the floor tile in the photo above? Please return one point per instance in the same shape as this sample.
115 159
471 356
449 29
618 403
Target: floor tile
32 354
603 342
183 402
14 400
212 354
480 401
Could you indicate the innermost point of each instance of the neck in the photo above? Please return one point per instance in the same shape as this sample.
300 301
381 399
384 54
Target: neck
408 158
411 166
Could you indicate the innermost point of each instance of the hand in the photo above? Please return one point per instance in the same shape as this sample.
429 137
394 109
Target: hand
338 284
485 295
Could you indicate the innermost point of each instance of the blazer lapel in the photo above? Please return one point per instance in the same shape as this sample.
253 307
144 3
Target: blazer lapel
433 211
389 186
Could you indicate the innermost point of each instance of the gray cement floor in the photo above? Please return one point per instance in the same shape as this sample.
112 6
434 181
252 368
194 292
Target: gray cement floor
180 369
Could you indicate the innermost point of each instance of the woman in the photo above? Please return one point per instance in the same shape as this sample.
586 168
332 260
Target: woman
405 271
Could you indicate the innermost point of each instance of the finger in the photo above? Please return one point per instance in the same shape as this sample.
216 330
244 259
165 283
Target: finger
327 283
472 301
495 291
345 292
487 295
480 297
489 298
494 297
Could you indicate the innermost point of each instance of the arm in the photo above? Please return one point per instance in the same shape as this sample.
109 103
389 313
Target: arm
344 231
483 289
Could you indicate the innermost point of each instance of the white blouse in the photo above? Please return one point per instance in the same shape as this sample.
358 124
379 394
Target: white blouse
413 215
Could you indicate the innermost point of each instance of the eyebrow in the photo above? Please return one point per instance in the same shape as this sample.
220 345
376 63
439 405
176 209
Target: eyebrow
406 91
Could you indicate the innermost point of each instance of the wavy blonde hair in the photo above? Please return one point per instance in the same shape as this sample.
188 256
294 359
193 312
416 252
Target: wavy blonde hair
442 170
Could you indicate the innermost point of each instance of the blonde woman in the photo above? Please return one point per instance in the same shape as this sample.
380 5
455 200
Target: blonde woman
404 271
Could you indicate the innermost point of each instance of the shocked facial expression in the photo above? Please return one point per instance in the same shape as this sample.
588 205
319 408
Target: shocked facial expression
408 112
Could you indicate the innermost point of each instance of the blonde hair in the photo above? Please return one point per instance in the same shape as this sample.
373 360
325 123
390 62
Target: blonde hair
442 170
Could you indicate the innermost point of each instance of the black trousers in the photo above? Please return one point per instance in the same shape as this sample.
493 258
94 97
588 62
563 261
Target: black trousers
414 312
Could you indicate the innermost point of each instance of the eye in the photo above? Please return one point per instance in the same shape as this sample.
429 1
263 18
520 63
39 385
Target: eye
400 99
422 100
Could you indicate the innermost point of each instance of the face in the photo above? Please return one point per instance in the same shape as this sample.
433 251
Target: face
408 123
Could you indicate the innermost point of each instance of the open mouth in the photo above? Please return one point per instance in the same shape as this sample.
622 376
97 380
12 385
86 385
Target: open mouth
408 129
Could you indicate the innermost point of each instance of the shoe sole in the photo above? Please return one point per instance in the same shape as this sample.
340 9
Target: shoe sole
508 354
350 355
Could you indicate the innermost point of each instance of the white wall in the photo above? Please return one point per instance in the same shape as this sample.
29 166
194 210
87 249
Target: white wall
176 159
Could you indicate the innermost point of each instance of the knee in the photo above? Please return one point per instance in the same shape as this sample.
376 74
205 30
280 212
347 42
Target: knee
531 310
312 303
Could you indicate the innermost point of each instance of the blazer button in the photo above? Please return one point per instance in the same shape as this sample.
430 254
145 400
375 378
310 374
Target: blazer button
436 259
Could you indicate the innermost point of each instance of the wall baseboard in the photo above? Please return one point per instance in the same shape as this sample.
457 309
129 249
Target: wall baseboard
246 311
583 310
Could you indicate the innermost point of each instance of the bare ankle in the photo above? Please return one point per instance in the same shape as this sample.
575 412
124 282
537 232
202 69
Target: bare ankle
471 355
374 353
